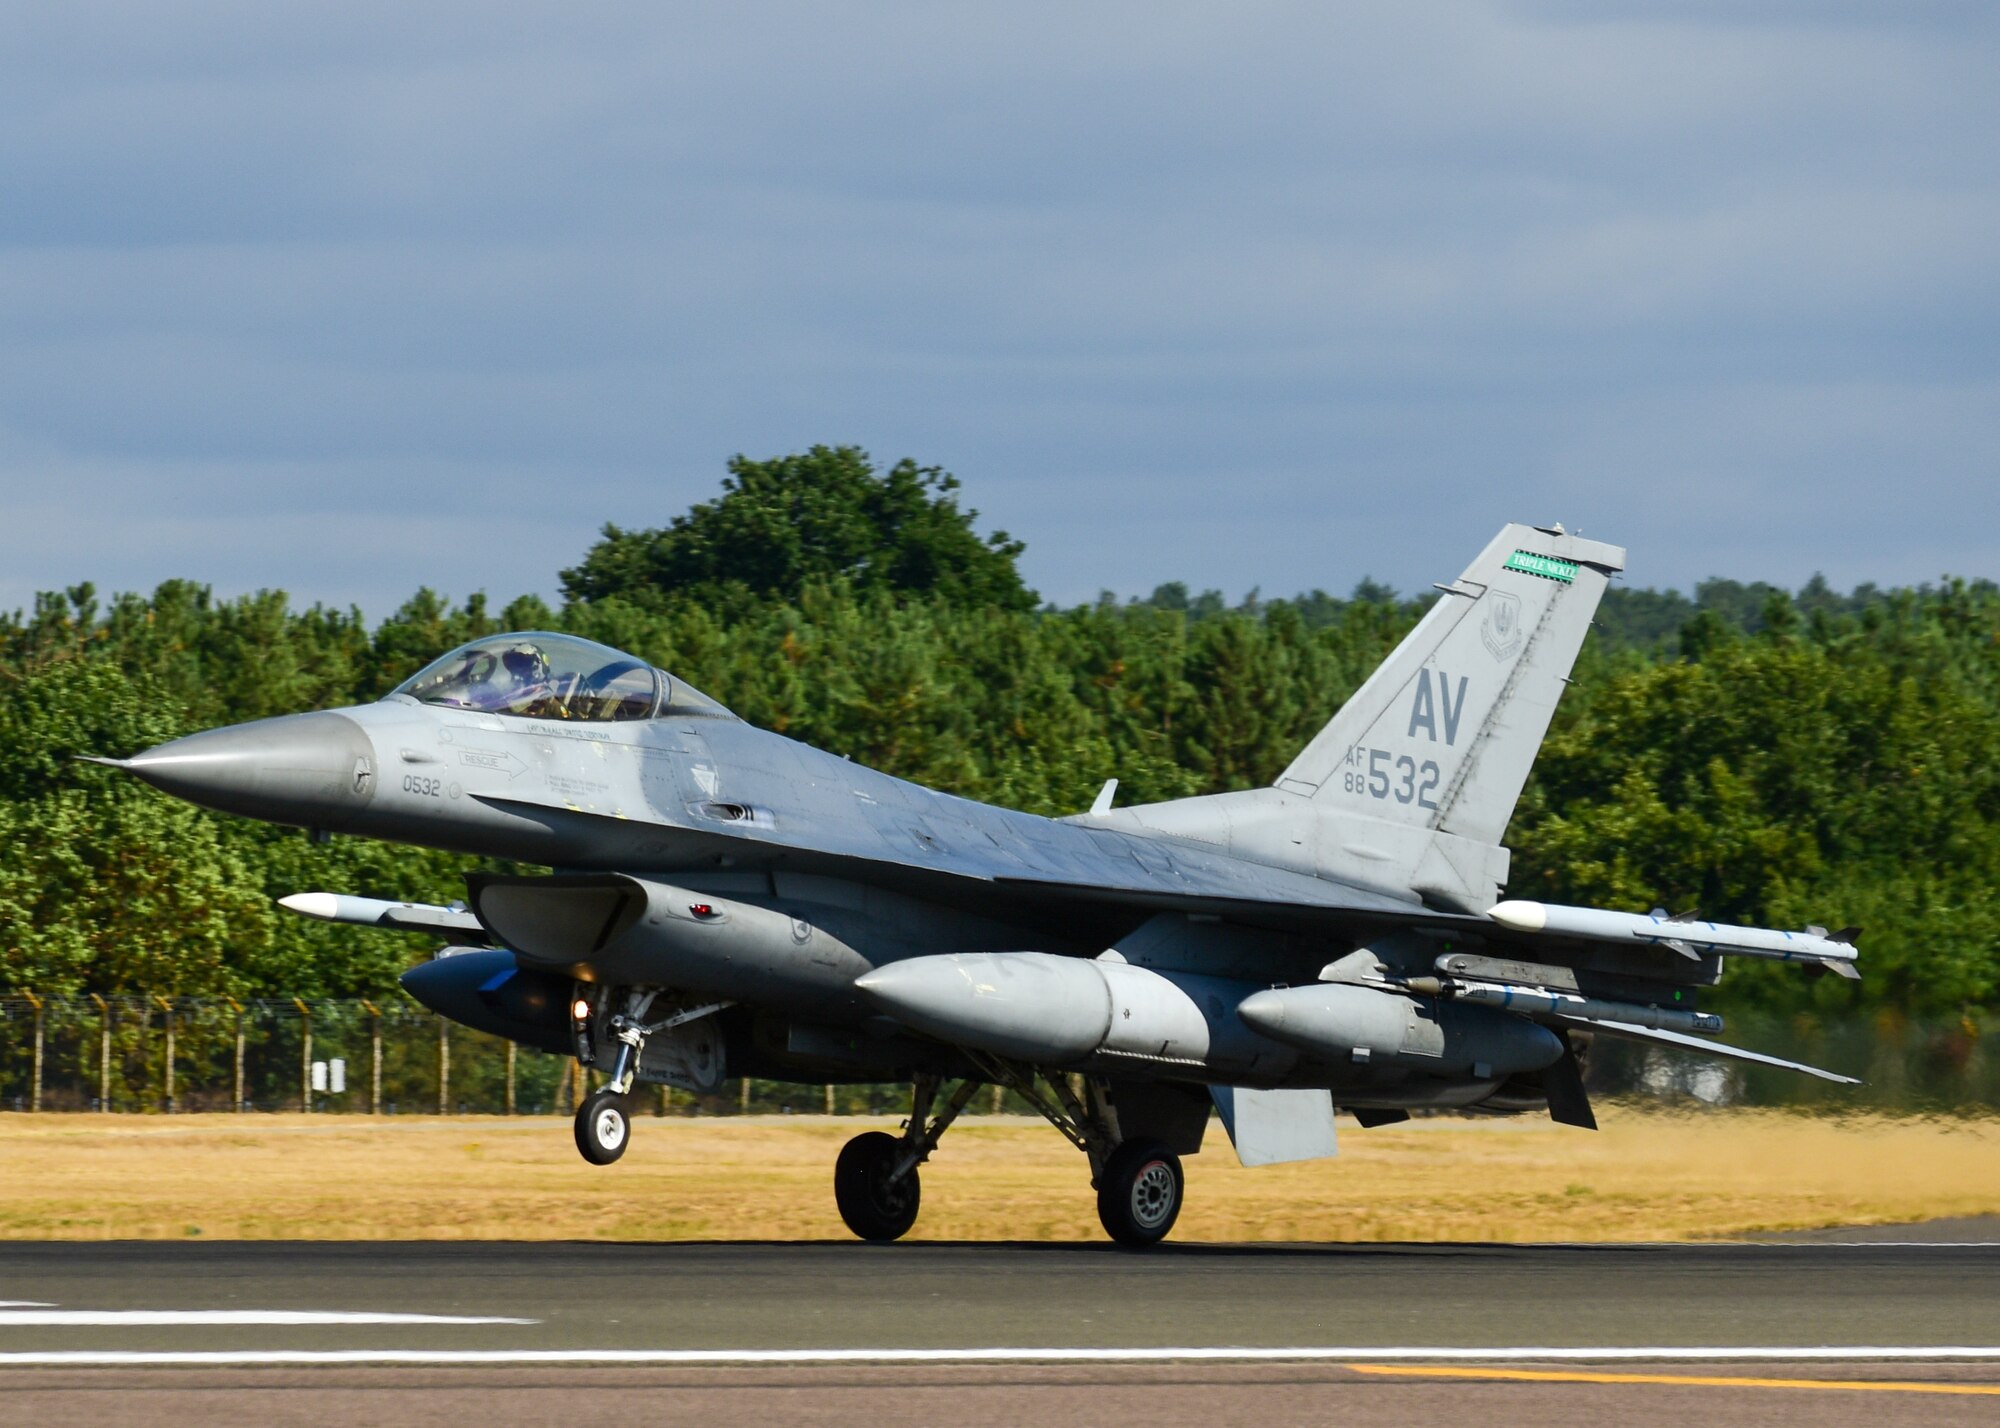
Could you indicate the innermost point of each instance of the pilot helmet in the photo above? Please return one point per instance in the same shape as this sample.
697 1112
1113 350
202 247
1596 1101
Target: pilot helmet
526 663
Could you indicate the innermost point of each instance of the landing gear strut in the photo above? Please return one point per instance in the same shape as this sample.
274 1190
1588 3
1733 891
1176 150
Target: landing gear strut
875 1182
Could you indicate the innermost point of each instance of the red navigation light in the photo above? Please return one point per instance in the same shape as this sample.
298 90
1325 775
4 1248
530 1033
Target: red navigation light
701 909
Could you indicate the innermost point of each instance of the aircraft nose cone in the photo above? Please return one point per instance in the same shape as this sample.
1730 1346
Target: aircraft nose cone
298 768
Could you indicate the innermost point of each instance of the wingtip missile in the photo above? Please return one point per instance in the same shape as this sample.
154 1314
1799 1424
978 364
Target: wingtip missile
1688 937
379 912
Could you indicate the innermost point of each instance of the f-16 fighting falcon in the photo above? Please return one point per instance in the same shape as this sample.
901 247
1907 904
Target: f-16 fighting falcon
725 901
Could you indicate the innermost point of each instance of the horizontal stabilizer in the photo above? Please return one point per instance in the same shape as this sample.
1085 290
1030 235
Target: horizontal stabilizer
1683 1042
1271 1127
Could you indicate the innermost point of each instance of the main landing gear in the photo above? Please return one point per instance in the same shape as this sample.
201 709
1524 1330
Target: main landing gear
875 1182
1139 1192
1139 1182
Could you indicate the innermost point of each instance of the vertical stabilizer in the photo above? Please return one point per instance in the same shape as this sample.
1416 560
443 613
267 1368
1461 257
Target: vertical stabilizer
1408 790
1443 734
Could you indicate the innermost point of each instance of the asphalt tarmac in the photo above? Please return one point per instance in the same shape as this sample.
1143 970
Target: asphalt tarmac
852 1333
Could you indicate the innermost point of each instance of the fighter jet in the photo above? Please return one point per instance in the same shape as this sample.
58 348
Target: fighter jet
725 901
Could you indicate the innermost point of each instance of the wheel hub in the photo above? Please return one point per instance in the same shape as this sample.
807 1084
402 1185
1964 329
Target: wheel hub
1152 1195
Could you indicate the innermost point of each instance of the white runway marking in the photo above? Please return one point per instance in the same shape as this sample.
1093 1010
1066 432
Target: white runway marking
88 1358
25 1304
47 1317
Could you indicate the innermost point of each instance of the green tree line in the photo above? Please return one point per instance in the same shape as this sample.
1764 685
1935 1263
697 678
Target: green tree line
1760 755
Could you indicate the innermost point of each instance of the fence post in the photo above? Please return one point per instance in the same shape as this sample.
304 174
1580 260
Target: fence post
511 1050
167 1062
374 1059
743 1101
103 1053
305 1057
35 1084
829 1098
236 1083
444 1067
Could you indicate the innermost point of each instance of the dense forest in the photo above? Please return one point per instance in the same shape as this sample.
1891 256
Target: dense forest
1762 755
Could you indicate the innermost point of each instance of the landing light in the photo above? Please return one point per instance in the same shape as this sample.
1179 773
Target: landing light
581 1010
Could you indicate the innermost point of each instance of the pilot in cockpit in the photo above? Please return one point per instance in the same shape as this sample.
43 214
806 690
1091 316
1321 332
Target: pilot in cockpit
540 675
531 689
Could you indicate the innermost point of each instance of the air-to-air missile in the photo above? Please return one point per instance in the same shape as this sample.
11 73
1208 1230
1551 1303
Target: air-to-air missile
1834 951
379 912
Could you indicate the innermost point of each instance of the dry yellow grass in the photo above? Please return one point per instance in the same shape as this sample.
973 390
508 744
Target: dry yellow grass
1646 1175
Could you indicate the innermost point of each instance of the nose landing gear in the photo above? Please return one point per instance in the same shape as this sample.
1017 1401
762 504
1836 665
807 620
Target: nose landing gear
603 1120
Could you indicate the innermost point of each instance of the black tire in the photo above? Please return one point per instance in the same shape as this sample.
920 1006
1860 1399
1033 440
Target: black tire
874 1208
603 1127
1139 1193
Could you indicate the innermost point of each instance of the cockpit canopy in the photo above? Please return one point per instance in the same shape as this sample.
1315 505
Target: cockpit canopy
540 675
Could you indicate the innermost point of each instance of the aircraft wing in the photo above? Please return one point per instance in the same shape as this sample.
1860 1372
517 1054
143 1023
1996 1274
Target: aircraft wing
998 858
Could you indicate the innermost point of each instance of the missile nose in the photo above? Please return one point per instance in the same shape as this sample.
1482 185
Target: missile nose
298 768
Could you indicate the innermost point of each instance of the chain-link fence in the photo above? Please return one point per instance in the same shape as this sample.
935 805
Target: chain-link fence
387 1057
392 1057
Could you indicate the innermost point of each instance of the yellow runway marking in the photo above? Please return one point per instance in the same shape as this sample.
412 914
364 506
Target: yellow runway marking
1847 1385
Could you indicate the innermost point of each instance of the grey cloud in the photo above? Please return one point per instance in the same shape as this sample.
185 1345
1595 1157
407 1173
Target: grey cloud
1271 296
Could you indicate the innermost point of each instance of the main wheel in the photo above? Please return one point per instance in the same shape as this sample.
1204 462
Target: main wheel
1139 1192
603 1127
873 1206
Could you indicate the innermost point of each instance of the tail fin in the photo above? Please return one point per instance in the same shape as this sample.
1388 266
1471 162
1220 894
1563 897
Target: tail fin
1410 787
1443 733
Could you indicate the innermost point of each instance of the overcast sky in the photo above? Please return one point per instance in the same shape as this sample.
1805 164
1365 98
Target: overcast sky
347 299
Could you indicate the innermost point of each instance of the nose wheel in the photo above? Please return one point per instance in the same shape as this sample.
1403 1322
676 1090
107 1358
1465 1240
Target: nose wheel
1139 1192
603 1126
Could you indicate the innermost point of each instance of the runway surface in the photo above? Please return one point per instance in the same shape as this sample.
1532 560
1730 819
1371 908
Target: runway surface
851 1333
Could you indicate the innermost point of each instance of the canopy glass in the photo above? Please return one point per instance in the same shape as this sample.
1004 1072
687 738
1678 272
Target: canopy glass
541 675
